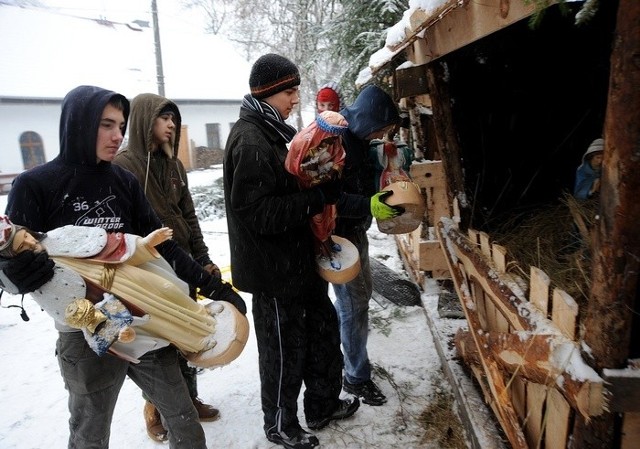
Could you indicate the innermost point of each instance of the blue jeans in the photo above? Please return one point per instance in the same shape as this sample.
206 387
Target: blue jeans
352 305
94 382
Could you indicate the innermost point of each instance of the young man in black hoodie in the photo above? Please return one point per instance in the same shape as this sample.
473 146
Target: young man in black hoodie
272 257
81 187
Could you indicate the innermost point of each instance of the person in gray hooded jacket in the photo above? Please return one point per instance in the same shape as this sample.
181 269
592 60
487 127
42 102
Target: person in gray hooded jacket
151 154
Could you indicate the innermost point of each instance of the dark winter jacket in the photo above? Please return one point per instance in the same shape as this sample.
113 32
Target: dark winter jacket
74 189
372 111
164 179
267 214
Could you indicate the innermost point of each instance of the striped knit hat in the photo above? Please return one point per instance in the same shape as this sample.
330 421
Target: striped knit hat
271 74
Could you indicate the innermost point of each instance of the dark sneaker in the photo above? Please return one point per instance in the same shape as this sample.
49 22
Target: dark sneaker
346 408
367 391
295 438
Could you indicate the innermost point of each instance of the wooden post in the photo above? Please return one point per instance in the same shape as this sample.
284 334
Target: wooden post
614 293
447 140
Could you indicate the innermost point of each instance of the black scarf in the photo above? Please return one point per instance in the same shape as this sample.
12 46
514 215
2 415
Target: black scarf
270 115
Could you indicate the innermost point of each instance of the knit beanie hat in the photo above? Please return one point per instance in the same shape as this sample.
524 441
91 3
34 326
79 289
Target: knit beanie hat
272 74
328 95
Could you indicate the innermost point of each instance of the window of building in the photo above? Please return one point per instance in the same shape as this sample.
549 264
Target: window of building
213 135
32 149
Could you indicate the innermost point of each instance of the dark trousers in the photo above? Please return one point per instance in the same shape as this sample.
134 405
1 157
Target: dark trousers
94 382
298 341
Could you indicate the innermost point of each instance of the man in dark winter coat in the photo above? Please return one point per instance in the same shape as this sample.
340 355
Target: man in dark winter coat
272 257
370 117
81 187
151 155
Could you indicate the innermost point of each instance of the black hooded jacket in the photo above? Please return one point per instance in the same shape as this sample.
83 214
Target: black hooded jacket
372 111
267 213
74 189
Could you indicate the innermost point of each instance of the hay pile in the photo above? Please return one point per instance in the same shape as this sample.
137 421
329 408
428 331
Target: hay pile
554 238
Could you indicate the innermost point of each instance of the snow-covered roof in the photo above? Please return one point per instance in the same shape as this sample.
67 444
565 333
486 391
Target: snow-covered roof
46 53
414 20
423 14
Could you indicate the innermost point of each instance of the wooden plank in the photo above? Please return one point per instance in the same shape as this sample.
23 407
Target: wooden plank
490 311
432 257
499 255
481 304
564 313
539 294
624 389
542 359
534 431
485 244
500 402
471 22
502 325
474 236
518 389
630 431
428 174
558 414
409 82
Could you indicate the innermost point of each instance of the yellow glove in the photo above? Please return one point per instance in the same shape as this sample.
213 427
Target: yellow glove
381 210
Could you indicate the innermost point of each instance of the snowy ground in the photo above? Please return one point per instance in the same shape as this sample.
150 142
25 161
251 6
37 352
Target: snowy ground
34 413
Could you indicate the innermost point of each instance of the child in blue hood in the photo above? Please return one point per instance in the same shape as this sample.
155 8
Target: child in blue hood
587 183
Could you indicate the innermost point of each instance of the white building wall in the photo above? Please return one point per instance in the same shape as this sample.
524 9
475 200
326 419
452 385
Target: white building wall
44 119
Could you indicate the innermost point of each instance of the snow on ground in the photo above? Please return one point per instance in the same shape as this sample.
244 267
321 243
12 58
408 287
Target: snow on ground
405 361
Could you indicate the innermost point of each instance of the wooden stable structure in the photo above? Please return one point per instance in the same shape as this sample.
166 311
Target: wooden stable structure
504 132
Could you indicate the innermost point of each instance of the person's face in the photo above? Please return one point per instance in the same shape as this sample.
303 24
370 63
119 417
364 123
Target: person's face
285 101
24 241
327 106
596 161
164 127
110 133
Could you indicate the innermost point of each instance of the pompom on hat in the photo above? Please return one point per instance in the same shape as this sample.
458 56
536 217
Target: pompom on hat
271 74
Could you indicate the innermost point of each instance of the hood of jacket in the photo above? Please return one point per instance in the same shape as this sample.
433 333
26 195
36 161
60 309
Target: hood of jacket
372 111
145 108
596 146
79 122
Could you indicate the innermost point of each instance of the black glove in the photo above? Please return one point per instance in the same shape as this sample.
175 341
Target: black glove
331 190
225 292
29 270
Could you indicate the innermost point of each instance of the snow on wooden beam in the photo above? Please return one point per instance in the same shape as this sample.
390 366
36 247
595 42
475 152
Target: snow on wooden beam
550 360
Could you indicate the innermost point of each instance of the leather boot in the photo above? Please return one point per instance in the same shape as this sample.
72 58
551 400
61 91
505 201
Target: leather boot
206 412
155 429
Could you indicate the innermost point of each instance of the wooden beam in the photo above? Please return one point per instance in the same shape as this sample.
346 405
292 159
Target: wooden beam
496 285
499 400
624 389
476 19
549 360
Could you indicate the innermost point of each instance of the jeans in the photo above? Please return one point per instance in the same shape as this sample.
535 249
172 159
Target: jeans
94 382
352 305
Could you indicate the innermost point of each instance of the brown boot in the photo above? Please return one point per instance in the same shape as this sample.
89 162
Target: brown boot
205 411
155 429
